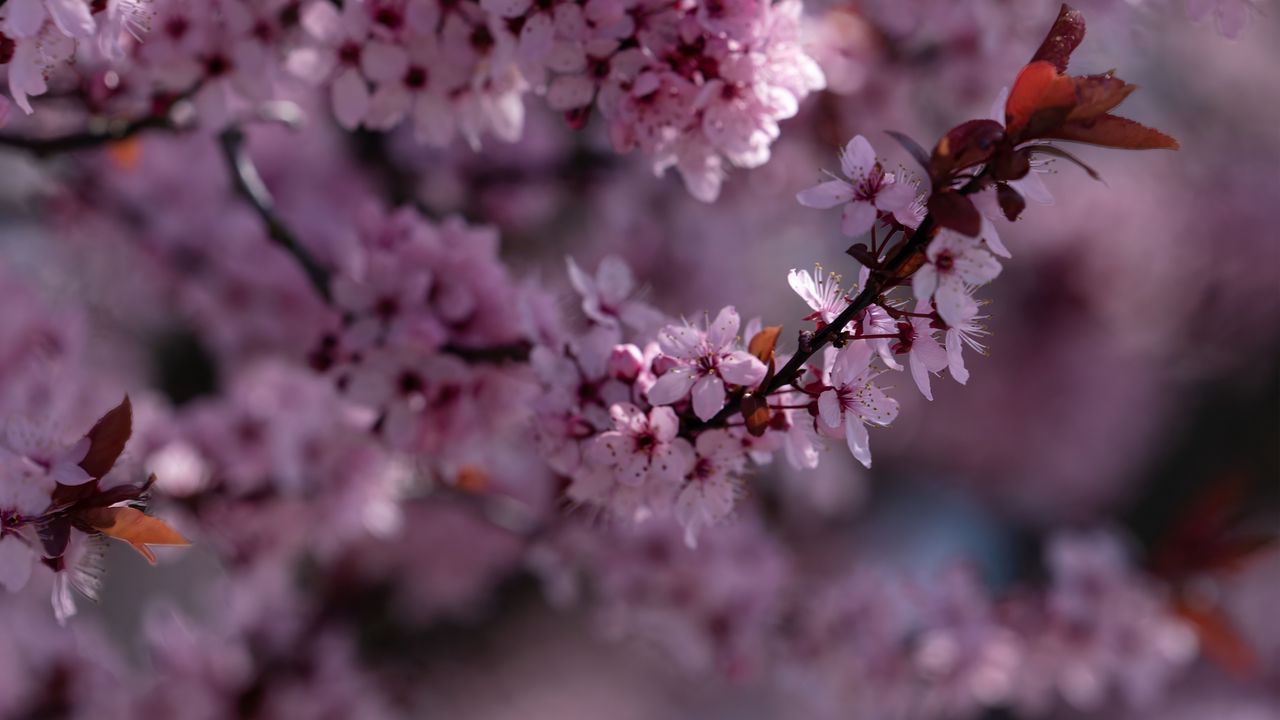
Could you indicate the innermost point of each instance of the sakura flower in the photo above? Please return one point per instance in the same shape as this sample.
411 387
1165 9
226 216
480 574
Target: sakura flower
958 335
822 294
851 401
705 362
708 496
338 51
609 296
33 59
43 453
924 354
25 17
642 449
868 191
955 263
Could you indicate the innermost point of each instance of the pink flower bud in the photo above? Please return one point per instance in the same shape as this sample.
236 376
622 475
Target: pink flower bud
662 364
625 363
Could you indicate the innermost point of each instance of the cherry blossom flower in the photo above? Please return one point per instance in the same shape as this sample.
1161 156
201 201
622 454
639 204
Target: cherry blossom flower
24 18
822 294
925 355
851 401
868 191
642 448
959 335
341 36
955 264
713 485
706 362
609 297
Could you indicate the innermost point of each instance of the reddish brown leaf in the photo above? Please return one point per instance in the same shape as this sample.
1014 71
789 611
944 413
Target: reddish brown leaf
107 439
1063 38
1098 94
1011 201
763 344
1219 639
134 527
953 210
1116 132
755 411
965 145
1041 99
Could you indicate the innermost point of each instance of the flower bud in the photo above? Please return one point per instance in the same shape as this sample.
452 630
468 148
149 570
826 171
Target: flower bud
625 363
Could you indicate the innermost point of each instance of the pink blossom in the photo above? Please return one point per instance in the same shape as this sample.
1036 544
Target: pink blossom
822 294
925 355
706 361
609 297
642 448
868 191
851 401
955 264
713 485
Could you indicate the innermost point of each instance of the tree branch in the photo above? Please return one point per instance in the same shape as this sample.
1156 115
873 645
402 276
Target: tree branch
878 282
113 132
249 185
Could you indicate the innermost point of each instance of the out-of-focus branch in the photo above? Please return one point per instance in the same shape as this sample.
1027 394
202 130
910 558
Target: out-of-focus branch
495 354
249 185
112 132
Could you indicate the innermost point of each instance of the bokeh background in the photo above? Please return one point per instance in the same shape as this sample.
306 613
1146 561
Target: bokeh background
1130 381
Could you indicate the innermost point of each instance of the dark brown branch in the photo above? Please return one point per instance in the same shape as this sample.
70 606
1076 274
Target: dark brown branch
877 283
249 185
113 132
517 352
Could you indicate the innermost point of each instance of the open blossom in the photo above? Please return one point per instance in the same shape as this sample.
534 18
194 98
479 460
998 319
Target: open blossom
643 448
822 294
705 362
961 334
25 17
851 401
955 264
868 191
925 355
608 297
708 496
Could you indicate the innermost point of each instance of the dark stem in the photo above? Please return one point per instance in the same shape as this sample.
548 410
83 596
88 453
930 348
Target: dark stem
514 352
249 185
112 133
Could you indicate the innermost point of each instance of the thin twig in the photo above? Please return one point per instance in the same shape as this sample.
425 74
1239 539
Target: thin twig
249 185
878 282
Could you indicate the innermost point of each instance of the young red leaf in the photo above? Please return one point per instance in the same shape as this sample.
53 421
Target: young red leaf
134 527
107 439
955 211
1041 99
1063 38
764 342
965 145
1219 639
1098 94
1011 201
1116 132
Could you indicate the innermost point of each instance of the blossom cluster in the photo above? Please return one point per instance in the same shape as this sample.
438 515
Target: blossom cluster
378 426
695 85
